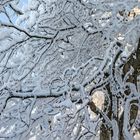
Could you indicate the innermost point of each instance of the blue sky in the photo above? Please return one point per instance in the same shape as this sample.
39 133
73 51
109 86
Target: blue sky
4 18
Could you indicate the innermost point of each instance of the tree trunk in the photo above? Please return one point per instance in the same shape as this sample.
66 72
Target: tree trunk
104 133
134 62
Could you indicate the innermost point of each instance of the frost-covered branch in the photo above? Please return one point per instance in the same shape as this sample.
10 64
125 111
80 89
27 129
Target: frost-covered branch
56 57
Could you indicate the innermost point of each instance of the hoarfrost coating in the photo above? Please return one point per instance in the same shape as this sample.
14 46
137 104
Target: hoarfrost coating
69 69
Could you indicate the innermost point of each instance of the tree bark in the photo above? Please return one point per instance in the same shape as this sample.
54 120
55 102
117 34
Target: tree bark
134 61
104 133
